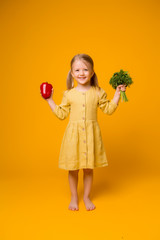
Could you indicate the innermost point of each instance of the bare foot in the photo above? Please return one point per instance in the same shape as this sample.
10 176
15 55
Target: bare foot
89 205
73 204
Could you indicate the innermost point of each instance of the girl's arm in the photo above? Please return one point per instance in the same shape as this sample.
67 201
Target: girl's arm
116 98
107 106
62 110
51 103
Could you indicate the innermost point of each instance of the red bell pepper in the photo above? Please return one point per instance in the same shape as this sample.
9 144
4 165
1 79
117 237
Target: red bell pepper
46 89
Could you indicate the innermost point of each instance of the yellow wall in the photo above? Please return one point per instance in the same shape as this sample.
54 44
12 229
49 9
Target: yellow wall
38 41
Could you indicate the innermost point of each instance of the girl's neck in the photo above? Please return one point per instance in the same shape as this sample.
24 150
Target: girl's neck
83 88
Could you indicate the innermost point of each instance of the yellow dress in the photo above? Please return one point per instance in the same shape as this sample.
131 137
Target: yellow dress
82 145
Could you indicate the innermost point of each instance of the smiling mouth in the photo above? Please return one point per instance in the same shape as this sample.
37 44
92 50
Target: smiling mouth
81 77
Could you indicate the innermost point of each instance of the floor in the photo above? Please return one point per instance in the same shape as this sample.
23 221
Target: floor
36 207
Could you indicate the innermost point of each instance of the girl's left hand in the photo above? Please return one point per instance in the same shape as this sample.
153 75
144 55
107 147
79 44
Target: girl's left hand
121 87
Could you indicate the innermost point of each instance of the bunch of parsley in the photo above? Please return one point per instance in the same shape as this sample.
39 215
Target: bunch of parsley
119 78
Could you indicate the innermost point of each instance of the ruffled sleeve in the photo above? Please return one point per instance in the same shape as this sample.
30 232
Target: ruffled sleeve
62 111
105 104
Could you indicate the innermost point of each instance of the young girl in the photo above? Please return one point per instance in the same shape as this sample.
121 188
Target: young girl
82 146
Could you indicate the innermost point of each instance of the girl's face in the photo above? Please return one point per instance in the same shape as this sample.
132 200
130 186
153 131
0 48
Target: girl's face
82 72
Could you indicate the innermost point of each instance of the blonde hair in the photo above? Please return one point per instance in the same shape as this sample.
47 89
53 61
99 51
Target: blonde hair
87 58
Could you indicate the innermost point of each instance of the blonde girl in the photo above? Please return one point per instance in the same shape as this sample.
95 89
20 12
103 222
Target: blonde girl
82 146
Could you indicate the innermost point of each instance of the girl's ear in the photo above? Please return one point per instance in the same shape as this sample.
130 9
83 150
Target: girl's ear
72 74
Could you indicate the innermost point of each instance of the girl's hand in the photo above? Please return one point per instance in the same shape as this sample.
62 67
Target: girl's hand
121 87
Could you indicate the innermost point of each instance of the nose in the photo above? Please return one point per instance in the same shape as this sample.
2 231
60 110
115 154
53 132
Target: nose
81 73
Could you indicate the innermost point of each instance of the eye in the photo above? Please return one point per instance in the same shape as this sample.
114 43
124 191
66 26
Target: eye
86 69
77 70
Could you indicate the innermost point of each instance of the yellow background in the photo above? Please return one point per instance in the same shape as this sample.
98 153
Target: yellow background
38 41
